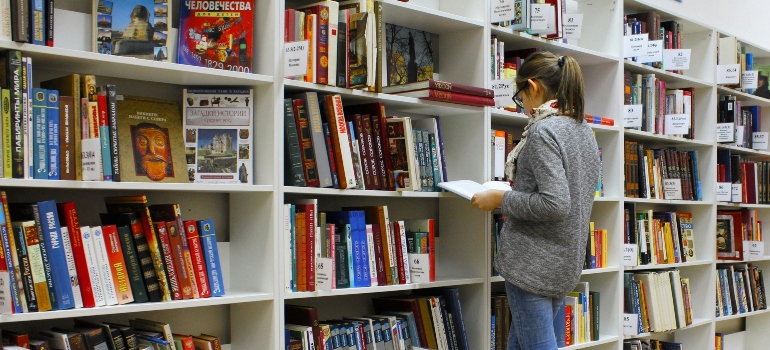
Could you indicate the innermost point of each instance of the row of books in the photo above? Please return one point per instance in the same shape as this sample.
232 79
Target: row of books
661 300
740 289
729 52
552 13
139 334
661 173
359 247
140 254
668 32
650 344
596 248
428 318
738 122
752 176
733 228
501 68
660 237
658 102
27 21
358 147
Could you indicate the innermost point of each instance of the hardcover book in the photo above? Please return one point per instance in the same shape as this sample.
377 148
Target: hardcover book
216 34
211 253
217 133
133 28
412 55
151 139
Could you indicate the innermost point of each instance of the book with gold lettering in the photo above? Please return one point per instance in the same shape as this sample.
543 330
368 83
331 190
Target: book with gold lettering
118 264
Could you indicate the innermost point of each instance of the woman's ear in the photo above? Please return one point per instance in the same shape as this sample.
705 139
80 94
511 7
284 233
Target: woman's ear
534 88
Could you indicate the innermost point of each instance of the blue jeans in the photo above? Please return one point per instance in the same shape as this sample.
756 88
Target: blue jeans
531 320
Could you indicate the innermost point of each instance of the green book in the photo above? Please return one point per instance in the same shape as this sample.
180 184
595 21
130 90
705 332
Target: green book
133 268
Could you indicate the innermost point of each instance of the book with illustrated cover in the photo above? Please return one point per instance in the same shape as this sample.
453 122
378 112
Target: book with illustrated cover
133 28
216 34
218 143
401 152
151 139
412 55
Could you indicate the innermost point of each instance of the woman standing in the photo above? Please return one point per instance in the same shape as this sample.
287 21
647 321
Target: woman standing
553 171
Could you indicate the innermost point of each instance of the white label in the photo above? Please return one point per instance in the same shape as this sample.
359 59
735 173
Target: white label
737 193
419 268
753 250
739 135
630 255
504 90
759 140
728 74
749 79
676 59
92 159
635 45
503 10
654 52
632 116
573 26
295 58
324 274
672 188
6 305
724 191
677 124
630 324
539 16
725 132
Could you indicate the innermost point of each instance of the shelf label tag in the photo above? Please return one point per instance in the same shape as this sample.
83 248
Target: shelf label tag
753 250
573 25
324 274
739 129
630 256
724 191
630 324
759 140
295 58
678 59
672 188
725 132
728 74
654 52
635 45
5 294
677 124
504 90
737 193
539 14
749 79
632 116
503 10
419 268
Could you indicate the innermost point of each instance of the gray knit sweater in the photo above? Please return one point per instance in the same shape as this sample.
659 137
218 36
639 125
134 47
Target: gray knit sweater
542 245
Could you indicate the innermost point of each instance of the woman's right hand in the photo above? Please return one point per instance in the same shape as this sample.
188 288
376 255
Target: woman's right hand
488 200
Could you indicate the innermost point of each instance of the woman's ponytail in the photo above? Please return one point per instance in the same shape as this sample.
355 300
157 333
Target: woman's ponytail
561 78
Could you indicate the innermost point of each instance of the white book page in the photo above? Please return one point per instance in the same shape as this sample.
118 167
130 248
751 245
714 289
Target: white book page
467 188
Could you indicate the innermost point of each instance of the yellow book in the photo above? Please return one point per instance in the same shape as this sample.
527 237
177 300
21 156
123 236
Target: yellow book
605 233
7 161
669 243
592 239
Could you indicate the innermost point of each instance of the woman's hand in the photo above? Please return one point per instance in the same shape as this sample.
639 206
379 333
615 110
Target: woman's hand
488 200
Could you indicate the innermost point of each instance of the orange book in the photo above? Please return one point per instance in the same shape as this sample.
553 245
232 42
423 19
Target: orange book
182 274
309 30
118 264
301 252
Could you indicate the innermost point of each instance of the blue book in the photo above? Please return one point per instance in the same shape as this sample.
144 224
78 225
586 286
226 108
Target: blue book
286 339
362 249
209 242
293 217
347 221
156 343
411 330
13 282
493 333
560 325
37 22
40 135
52 118
696 174
49 220
104 140
749 67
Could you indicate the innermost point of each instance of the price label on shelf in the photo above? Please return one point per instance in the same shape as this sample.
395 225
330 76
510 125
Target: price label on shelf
632 116
749 79
635 45
672 188
678 59
753 250
737 192
630 324
630 255
295 58
759 140
724 191
503 10
728 74
654 52
419 267
573 25
539 15
725 132
324 274
504 90
677 124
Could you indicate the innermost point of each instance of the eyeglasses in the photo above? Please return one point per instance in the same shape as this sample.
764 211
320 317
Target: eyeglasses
517 99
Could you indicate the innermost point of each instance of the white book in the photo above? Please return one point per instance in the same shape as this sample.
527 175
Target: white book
389 246
404 251
65 238
467 188
93 266
339 127
5 20
499 137
438 323
676 282
105 271
288 256
372 257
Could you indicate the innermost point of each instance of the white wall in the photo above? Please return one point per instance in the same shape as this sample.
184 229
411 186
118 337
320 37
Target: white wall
746 19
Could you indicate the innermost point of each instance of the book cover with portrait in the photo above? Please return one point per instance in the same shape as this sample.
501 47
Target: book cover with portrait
216 34
217 133
134 28
151 140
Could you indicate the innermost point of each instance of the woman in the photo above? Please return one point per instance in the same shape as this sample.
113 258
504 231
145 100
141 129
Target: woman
553 171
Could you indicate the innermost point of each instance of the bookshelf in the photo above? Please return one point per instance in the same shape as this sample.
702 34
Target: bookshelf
249 217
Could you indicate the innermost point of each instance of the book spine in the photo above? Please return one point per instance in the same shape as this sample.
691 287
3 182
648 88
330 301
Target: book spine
434 161
182 269
301 252
29 123
439 95
146 261
322 45
199 263
103 263
186 254
117 264
372 256
371 155
460 89
66 138
342 277
330 155
71 269
52 121
359 173
442 155
70 216
306 144
20 21
310 222
339 134
93 266
310 25
18 111
6 136
112 115
49 18
396 229
169 259
49 219
11 263
37 21
40 138
27 282
211 255
46 258
318 139
133 265
295 170
5 20
381 151
155 253
342 52
104 136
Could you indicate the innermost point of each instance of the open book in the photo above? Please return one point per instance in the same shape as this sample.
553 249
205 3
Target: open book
467 188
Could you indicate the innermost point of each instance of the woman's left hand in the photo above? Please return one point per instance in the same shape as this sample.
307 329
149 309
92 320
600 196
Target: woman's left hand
488 200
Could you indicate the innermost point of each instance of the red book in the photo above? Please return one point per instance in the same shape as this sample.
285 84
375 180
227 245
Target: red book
321 42
453 97
309 234
69 218
118 264
568 325
376 111
199 262
168 260
18 339
399 255
301 251
182 274
378 255
102 101
173 213
187 341
372 156
440 85
358 129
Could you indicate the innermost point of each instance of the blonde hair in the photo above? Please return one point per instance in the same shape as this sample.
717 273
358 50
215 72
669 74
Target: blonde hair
561 78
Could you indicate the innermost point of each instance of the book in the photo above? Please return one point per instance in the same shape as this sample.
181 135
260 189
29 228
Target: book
97 284
198 260
103 125
69 86
103 263
133 265
117 264
49 219
172 215
211 253
412 56
446 96
467 188
404 166
20 19
441 86
218 127
29 272
343 156
52 134
133 28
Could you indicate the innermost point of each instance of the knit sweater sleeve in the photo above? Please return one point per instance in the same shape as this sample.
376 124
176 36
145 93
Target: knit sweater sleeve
551 199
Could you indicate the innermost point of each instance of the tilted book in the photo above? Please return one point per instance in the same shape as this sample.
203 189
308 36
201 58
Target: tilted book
133 28
49 219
